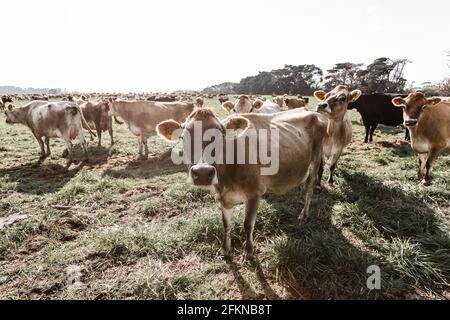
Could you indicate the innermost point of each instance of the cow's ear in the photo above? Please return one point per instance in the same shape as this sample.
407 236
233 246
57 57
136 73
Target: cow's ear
11 106
320 95
258 104
354 95
167 130
398 102
228 105
237 123
434 100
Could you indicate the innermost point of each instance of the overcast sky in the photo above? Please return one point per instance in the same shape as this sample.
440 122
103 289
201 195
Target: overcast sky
189 44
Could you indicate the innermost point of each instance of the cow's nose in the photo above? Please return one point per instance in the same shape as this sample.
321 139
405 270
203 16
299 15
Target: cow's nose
410 122
203 175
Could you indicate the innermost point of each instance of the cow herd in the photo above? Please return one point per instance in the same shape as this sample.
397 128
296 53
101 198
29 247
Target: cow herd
304 140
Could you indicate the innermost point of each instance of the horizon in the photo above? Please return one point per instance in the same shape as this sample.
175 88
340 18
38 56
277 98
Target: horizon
111 46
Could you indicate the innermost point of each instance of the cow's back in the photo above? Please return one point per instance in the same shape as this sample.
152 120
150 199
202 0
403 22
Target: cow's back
55 119
142 117
300 139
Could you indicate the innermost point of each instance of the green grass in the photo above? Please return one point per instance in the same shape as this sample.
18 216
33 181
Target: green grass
137 230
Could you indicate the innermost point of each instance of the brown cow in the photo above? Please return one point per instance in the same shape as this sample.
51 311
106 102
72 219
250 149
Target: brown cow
142 117
223 99
98 118
333 105
279 101
295 103
428 122
299 146
245 104
51 120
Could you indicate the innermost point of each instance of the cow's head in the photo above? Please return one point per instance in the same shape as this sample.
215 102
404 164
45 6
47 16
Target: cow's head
413 105
12 114
110 107
334 103
243 104
201 167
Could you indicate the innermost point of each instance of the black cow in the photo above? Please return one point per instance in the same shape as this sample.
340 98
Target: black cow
378 109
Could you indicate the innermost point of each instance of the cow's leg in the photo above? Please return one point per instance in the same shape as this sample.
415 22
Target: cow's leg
144 141
366 139
83 144
226 219
372 131
141 145
47 144
407 138
333 165
110 130
68 152
310 183
41 145
320 174
432 156
422 162
251 209
99 135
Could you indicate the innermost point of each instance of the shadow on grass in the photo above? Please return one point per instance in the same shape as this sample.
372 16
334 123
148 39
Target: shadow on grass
37 178
145 169
401 150
324 257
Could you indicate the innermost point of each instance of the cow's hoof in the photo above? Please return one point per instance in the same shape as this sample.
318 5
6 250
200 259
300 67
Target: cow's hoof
425 182
142 158
301 217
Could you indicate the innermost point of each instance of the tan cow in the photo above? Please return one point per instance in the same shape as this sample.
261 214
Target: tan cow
428 122
299 146
51 120
243 104
295 103
333 105
142 117
98 118
279 101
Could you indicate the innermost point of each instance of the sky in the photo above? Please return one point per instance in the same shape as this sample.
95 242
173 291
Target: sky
167 45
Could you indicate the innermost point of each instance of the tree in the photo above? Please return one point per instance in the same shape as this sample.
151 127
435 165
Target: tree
343 73
444 87
383 75
301 79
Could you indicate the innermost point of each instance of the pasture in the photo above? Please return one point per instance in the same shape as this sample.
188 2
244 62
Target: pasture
128 229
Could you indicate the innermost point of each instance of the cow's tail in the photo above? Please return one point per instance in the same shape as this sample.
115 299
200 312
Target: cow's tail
83 120
117 121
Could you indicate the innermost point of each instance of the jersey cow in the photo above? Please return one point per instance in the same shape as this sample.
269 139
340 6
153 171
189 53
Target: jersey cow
333 105
243 104
46 120
142 117
299 145
428 121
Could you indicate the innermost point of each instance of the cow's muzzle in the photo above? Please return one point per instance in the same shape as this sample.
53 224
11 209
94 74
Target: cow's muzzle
202 175
410 122
324 107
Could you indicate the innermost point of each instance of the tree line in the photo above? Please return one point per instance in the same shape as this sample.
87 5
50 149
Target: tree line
383 75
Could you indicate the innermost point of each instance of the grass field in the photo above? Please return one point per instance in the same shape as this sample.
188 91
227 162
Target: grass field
136 230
